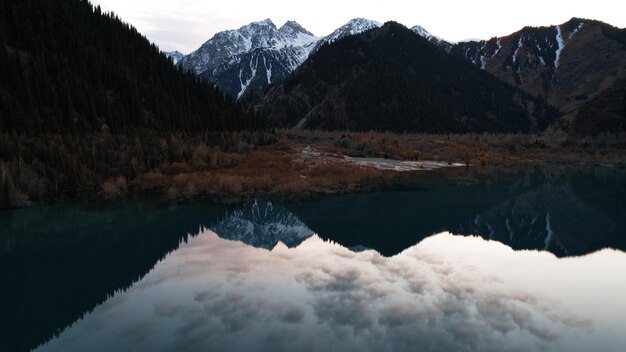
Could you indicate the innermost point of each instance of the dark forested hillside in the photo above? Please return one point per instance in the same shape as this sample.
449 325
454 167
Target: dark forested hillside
393 79
604 113
85 98
65 66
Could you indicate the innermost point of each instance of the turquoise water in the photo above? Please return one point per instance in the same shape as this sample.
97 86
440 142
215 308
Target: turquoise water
527 260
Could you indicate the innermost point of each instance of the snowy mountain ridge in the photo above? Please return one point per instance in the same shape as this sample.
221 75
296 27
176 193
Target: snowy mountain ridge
227 45
245 60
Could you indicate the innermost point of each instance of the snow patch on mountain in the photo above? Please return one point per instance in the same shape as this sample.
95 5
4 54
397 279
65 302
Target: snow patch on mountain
483 58
422 32
244 85
268 71
499 44
576 29
519 46
561 44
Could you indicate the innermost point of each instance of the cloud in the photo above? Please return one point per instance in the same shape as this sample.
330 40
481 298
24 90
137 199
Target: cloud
446 293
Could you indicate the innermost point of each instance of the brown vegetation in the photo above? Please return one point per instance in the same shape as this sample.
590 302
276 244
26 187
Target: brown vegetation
473 149
230 166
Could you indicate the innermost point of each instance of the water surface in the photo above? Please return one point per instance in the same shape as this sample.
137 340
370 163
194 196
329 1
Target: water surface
394 270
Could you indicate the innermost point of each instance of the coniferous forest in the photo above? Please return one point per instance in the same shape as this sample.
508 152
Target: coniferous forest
67 67
84 96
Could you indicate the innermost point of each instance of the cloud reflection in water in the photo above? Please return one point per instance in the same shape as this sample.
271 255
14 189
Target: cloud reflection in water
448 293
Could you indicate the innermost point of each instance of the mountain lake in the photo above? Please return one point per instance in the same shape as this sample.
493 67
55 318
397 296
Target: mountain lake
520 260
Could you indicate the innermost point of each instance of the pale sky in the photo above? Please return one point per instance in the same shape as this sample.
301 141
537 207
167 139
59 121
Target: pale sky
185 24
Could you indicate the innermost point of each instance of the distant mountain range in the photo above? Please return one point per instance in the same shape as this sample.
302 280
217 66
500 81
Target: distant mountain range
566 65
244 61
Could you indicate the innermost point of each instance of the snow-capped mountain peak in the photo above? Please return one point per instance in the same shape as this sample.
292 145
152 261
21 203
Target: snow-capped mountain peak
247 59
265 22
354 26
294 35
293 29
422 32
227 45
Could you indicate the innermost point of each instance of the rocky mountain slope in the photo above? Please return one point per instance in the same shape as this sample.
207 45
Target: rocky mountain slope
568 64
606 112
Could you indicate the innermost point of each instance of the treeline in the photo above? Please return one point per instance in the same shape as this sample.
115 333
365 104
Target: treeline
67 67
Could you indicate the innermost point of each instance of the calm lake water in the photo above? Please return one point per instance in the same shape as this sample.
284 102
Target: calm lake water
449 261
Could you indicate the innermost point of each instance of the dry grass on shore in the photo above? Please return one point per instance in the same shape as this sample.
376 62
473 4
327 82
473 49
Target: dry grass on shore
280 170
231 166
473 149
273 172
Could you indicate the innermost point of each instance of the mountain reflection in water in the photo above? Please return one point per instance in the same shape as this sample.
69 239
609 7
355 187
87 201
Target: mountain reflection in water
260 223
566 211
448 293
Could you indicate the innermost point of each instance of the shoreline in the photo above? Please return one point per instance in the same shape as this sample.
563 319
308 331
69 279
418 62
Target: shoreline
309 164
395 181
